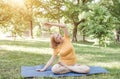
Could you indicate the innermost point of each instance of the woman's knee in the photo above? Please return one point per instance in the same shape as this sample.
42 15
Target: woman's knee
55 68
58 69
86 69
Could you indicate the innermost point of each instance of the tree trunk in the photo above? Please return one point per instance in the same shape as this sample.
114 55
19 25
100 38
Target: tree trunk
31 29
117 35
83 36
31 21
74 38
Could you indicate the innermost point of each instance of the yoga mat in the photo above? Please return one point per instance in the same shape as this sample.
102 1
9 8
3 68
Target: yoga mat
30 71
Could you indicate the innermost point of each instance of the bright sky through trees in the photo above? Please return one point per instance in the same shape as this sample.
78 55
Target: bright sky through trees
16 3
95 1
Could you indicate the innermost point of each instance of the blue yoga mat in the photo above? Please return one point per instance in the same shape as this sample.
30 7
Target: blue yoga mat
30 71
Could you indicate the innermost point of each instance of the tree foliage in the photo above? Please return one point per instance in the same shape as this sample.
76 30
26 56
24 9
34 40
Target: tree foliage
91 18
74 9
5 13
100 23
115 11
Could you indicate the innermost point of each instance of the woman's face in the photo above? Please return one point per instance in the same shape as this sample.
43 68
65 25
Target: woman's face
58 38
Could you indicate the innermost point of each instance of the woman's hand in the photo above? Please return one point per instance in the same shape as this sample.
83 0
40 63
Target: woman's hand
40 70
63 26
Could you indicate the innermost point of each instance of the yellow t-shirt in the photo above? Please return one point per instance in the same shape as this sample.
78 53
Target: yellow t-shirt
66 52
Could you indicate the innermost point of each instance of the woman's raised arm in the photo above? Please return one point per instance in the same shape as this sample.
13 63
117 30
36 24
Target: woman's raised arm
63 26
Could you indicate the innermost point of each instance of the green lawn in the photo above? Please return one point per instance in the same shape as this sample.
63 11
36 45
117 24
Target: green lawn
14 54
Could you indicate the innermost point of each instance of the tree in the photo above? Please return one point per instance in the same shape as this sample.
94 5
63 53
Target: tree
51 10
5 13
74 9
115 11
12 17
17 18
113 7
100 23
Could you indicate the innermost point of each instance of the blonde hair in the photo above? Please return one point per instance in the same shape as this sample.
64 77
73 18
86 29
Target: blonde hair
54 44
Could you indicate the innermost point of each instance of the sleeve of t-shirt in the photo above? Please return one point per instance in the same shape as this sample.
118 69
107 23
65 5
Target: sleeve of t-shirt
55 52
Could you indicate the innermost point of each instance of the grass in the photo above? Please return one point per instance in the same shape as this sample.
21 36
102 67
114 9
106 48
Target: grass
14 54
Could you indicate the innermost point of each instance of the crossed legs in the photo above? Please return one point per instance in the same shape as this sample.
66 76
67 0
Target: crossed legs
61 68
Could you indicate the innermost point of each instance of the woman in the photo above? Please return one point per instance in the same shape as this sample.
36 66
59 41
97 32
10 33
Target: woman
67 58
